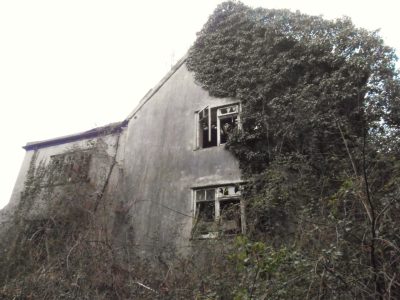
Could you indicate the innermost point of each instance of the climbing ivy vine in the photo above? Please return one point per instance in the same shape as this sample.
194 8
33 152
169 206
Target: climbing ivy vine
319 147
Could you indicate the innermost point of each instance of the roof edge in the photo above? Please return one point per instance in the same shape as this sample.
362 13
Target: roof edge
112 128
157 87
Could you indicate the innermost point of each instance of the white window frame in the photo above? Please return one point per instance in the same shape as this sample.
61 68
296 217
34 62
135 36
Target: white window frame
218 198
220 116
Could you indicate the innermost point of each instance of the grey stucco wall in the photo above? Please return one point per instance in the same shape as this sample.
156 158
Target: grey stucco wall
161 164
147 199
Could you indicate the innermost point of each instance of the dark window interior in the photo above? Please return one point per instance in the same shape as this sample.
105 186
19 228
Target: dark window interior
227 124
230 216
205 206
206 211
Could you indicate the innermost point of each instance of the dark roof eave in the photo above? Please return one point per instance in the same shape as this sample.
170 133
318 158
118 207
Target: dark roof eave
93 133
105 130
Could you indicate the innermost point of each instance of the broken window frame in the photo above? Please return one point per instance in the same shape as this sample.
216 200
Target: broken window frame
205 116
222 194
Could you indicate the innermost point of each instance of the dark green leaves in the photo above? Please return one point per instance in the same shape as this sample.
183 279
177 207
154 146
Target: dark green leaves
321 120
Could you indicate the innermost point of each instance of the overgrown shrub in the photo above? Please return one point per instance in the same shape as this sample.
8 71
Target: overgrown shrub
318 145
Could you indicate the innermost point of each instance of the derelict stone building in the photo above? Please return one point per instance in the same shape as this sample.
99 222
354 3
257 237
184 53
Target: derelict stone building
161 178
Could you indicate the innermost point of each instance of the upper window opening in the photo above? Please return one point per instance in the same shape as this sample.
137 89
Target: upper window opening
215 124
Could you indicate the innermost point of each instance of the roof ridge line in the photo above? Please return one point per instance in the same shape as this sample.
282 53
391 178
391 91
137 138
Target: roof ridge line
110 128
157 87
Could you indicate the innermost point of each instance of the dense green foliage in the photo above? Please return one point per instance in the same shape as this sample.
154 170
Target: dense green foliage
319 146
319 149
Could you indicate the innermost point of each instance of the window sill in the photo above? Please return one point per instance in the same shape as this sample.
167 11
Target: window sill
214 236
208 148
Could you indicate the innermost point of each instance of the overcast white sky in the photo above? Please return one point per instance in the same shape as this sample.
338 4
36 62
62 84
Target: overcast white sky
69 66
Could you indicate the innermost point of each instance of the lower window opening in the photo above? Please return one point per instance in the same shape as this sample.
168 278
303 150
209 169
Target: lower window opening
218 212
